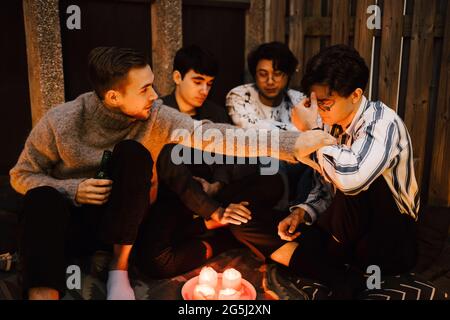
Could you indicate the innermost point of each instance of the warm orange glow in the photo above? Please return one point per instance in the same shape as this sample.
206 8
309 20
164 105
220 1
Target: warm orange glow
228 285
232 279
204 292
229 294
208 276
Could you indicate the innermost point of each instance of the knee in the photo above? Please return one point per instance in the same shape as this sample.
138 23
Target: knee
165 156
44 195
133 157
131 150
44 202
167 150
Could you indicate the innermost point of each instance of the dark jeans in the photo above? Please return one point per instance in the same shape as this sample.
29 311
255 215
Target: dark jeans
169 242
164 236
369 227
54 228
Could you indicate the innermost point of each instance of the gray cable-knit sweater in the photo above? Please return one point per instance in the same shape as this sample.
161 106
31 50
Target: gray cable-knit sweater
66 145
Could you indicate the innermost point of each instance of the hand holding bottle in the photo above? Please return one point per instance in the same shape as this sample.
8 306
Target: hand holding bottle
93 191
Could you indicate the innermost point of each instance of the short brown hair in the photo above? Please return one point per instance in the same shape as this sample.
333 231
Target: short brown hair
109 67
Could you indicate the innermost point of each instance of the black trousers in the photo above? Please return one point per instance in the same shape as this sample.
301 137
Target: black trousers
164 236
170 241
369 227
54 229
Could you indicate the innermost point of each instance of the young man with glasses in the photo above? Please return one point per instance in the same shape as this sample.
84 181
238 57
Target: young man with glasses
364 205
267 104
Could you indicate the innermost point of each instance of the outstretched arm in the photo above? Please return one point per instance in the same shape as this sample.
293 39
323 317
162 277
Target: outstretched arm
176 127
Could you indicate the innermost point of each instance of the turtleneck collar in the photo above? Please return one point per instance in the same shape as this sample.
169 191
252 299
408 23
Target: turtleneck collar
105 116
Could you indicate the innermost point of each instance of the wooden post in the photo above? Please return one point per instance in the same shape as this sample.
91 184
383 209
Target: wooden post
390 52
420 75
297 36
340 22
254 35
439 188
167 38
363 35
44 54
276 20
327 10
312 44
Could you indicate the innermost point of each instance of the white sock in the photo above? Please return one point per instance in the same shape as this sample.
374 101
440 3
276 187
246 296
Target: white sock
118 286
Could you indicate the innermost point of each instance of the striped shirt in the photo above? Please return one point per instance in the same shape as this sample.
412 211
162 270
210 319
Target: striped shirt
375 143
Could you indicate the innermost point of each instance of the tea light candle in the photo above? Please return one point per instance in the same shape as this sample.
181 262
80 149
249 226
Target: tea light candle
208 276
229 294
232 279
204 292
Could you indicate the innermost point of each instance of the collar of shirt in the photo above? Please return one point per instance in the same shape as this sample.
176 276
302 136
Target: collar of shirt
171 101
349 130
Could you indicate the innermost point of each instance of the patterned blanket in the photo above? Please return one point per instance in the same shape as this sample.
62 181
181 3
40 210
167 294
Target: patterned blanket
93 286
270 281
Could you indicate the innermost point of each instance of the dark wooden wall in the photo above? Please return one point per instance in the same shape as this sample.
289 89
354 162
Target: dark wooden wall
218 26
15 112
121 23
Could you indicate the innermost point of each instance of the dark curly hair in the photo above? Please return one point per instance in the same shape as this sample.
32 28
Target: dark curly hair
281 56
339 67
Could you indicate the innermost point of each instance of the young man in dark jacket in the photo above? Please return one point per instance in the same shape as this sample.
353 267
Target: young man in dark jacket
196 187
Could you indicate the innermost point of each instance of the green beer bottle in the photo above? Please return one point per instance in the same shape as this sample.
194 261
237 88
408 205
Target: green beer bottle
103 173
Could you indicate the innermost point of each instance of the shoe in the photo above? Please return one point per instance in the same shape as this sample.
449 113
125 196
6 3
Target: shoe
409 286
281 284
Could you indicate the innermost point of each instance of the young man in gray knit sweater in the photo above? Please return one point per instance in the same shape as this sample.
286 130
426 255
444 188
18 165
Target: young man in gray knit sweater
66 210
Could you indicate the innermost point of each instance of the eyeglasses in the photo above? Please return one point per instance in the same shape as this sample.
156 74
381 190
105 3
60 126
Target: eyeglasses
323 104
276 76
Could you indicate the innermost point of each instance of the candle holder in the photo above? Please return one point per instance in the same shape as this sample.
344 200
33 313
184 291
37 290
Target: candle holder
228 286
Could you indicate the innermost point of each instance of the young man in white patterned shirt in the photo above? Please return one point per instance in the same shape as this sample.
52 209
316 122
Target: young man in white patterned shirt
267 104
364 205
